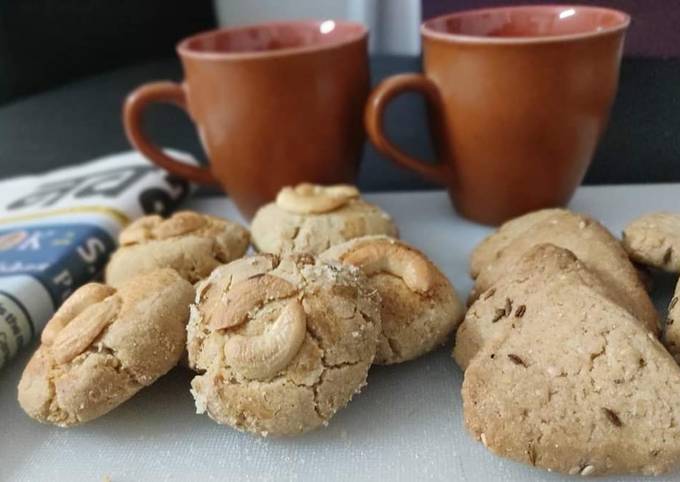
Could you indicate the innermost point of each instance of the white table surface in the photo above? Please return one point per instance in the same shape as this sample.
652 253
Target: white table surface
405 425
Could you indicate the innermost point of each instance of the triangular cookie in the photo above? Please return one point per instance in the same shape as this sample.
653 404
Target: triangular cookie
499 309
591 242
575 384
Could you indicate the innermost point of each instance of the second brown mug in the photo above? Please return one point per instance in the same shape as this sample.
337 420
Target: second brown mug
274 104
518 99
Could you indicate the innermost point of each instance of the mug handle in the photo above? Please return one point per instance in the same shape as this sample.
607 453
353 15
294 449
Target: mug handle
373 119
135 104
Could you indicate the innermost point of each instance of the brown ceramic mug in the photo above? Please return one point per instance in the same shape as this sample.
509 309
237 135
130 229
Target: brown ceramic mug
518 99
274 104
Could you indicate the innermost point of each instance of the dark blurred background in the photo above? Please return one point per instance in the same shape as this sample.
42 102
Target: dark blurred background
66 66
44 43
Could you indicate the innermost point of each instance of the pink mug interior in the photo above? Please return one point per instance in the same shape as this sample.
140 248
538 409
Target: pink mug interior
274 38
528 22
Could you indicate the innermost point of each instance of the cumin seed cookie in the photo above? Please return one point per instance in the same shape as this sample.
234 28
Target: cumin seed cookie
419 307
654 240
498 311
311 218
591 242
575 384
104 345
192 244
281 344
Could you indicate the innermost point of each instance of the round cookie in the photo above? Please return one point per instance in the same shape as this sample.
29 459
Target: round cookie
311 218
193 244
419 307
654 240
104 345
280 343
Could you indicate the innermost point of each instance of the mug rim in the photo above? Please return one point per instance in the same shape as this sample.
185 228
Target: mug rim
184 50
427 31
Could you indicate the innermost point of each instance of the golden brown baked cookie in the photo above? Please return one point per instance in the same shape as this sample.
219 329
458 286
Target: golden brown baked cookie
654 240
311 218
104 345
584 236
419 307
573 383
672 332
193 244
281 343
497 310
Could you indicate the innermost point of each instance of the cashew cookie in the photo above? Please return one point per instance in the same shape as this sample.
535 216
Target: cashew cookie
281 344
584 236
104 345
654 240
419 308
192 244
311 218
571 381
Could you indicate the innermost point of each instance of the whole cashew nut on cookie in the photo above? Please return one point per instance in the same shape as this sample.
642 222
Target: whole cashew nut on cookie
260 357
313 199
394 259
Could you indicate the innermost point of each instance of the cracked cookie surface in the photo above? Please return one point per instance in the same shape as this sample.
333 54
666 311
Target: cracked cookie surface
192 244
654 240
315 221
574 384
280 344
104 345
591 242
419 307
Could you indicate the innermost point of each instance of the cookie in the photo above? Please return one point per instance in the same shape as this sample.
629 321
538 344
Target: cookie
281 343
574 384
104 345
672 331
490 248
585 237
419 307
311 218
497 310
193 244
654 240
